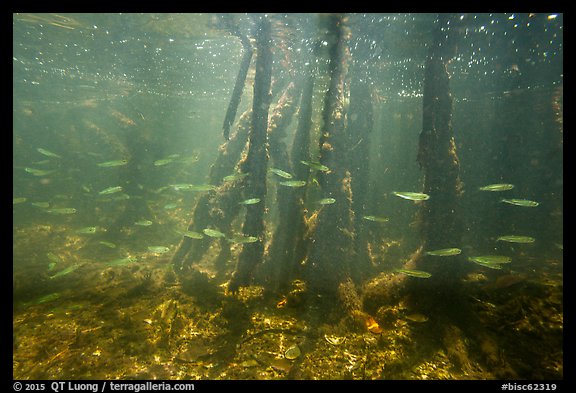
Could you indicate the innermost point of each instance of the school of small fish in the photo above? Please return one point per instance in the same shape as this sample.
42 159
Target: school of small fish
283 178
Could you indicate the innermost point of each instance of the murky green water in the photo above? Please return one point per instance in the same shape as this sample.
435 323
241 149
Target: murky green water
130 208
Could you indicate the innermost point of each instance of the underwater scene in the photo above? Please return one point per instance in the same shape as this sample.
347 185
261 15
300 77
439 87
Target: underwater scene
288 196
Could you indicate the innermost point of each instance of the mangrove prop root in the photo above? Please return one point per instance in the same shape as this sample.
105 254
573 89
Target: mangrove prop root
257 159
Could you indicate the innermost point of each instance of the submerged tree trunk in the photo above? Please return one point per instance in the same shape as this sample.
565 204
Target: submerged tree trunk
280 254
240 82
257 160
443 295
301 144
329 258
212 209
293 232
218 209
440 215
360 122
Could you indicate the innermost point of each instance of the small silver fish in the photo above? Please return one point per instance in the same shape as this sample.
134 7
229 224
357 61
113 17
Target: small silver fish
48 153
234 177
490 265
193 235
521 202
158 249
414 273
110 190
316 166
110 164
420 318
293 183
497 187
281 173
143 223
491 259
39 172
66 271
326 201
251 201
213 233
162 162
41 205
61 210
107 244
445 252
182 186
202 187
412 196
516 239
376 218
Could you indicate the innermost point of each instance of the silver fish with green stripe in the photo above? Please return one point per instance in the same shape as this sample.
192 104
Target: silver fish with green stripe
48 153
280 173
516 239
521 202
444 252
293 183
158 249
315 165
39 172
213 233
111 164
497 187
376 218
107 244
414 273
490 261
66 271
61 210
110 190
192 235
234 177
412 196
143 223
251 201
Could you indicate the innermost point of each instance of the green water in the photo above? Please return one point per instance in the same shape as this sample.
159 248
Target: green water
117 124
